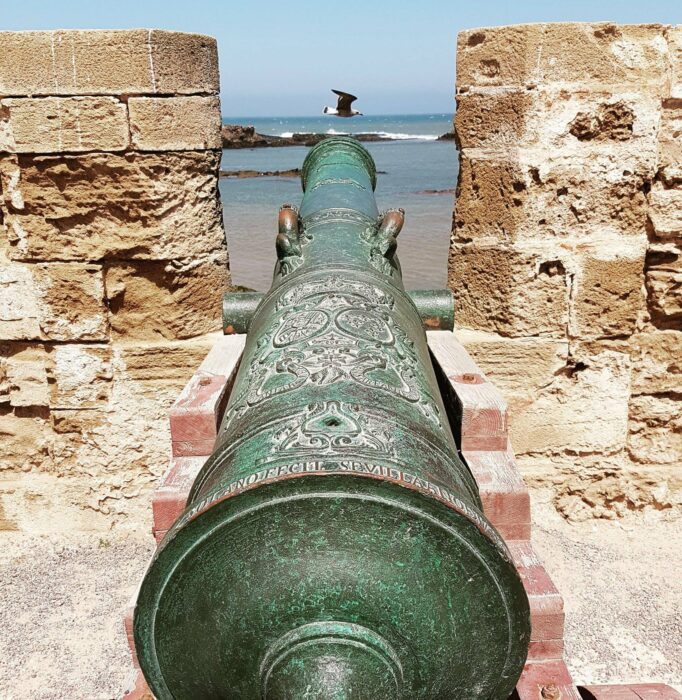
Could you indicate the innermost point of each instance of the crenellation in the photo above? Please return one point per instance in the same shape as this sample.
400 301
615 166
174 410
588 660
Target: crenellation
567 230
112 263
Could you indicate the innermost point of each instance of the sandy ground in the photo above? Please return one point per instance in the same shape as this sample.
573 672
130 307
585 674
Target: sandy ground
63 597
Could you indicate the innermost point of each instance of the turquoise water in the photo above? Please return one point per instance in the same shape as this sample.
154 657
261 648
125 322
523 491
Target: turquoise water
412 165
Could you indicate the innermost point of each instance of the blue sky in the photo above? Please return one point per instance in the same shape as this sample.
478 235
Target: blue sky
281 58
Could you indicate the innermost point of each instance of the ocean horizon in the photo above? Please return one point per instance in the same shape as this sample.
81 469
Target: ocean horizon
416 172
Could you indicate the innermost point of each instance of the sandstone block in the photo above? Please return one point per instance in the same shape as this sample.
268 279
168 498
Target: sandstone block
25 439
669 141
571 123
156 300
60 124
19 312
664 285
45 504
489 198
665 212
76 424
675 49
535 194
610 491
655 434
656 362
52 301
634 55
72 301
169 363
665 297
516 366
589 122
175 123
492 56
95 206
81 376
26 375
526 55
4 381
128 62
509 290
607 294
583 409
492 119
556 402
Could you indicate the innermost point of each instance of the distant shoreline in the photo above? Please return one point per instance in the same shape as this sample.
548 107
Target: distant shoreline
238 136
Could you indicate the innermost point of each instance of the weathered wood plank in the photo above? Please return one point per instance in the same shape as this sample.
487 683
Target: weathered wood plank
170 498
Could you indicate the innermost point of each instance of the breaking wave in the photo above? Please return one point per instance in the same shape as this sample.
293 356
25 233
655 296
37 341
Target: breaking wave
394 136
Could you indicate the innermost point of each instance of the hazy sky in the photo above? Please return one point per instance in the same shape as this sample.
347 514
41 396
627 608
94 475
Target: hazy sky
281 58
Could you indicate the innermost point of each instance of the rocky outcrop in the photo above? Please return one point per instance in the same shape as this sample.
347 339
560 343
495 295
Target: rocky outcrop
565 252
242 174
237 136
112 264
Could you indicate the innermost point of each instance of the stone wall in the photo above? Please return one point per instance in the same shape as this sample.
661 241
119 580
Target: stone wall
566 251
112 263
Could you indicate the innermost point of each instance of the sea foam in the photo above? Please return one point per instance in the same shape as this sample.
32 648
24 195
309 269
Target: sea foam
395 136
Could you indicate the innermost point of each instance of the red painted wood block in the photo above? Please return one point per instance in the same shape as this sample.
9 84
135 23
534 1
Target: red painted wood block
138 688
484 416
484 422
546 680
170 498
506 502
546 603
645 691
195 416
546 650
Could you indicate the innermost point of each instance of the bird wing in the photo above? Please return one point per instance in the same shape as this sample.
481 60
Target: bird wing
345 100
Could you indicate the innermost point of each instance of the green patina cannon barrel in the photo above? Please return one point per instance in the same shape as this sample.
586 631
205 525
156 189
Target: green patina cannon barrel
333 546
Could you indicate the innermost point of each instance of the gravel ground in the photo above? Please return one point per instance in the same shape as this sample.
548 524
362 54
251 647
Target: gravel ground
61 614
622 586
63 598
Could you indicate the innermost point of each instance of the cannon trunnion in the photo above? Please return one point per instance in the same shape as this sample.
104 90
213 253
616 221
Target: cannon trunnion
333 546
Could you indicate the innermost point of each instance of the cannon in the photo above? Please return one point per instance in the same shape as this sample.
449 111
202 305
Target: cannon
333 546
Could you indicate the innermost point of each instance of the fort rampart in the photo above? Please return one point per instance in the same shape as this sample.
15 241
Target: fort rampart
565 258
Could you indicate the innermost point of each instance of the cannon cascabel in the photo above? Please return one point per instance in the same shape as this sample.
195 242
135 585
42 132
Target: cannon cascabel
333 545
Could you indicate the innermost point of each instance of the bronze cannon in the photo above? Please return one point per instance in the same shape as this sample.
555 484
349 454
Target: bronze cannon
333 546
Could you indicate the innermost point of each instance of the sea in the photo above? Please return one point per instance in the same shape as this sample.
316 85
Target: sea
417 172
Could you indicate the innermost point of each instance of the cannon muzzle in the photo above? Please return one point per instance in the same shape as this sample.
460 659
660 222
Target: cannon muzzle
333 546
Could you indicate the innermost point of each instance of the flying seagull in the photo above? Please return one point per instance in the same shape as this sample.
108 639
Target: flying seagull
343 105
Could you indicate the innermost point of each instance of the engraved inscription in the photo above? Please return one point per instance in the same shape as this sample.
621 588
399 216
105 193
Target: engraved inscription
359 468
